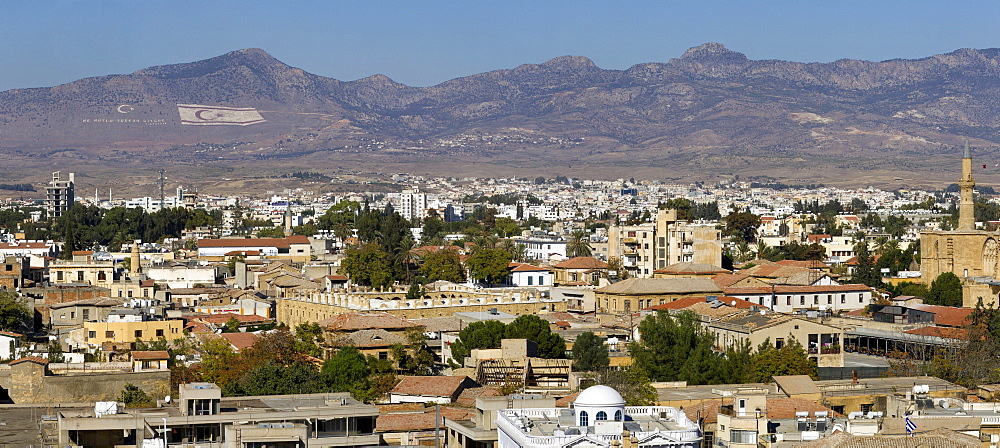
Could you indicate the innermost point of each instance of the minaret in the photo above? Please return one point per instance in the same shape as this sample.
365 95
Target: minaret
135 258
966 207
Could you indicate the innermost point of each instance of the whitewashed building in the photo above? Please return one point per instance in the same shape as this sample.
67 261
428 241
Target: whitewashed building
598 418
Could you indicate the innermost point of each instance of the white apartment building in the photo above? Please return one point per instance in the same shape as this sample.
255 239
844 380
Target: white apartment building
410 203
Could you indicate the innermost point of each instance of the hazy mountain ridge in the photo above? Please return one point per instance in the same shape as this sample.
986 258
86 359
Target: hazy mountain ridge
710 101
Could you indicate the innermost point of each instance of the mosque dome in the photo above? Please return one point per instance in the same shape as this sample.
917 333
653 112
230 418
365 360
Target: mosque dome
599 396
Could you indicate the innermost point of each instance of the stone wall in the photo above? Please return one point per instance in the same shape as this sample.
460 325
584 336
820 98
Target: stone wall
293 312
30 384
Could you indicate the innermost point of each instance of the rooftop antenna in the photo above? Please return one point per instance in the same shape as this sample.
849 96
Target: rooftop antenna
161 188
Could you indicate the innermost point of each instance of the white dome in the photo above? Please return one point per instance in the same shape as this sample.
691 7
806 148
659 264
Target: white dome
599 396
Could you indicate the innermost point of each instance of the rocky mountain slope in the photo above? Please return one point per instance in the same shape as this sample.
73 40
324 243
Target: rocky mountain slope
710 111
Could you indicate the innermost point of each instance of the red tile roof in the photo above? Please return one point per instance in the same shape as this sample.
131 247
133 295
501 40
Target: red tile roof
220 319
777 408
686 302
419 422
34 359
788 289
431 386
582 263
941 332
525 267
948 316
151 354
809 264
724 280
11 334
240 341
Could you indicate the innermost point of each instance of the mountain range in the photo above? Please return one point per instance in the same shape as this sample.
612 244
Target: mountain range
711 112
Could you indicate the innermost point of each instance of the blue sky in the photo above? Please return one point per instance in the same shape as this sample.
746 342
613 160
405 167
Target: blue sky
46 43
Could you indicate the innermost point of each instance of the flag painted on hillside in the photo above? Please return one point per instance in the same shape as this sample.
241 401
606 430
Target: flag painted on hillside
218 115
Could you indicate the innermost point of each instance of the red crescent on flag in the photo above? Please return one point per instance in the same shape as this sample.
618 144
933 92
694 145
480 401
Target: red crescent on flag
198 115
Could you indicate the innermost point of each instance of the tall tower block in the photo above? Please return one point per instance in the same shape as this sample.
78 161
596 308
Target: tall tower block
966 206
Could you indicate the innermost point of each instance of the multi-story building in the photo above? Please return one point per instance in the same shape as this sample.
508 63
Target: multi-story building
59 194
202 417
644 248
410 203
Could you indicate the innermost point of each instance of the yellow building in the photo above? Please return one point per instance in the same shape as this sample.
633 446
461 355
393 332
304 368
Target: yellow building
98 333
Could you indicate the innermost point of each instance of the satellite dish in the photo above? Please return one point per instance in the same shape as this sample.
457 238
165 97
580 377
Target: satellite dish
166 399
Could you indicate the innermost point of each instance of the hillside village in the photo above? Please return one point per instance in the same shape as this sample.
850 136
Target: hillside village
476 313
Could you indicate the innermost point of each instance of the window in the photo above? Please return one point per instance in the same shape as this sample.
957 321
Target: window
86 314
91 334
618 416
159 333
138 333
802 300
531 280
843 298
145 292
601 416
742 436
541 280
59 276
779 342
79 276
829 299
101 276
861 298
867 407
583 419
109 334
815 299
628 305
788 300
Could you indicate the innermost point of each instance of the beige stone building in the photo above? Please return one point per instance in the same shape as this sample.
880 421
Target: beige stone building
971 254
647 247
445 300
634 294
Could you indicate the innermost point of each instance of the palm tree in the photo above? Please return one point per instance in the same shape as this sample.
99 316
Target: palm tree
763 250
744 251
577 245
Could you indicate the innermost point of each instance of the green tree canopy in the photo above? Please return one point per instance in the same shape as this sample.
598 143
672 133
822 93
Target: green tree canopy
489 265
790 359
743 225
347 371
577 245
534 328
485 334
15 314
442 265
677 348
368 265
589 353
946 290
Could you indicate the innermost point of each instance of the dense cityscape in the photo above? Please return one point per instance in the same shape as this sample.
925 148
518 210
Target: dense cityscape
437 312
